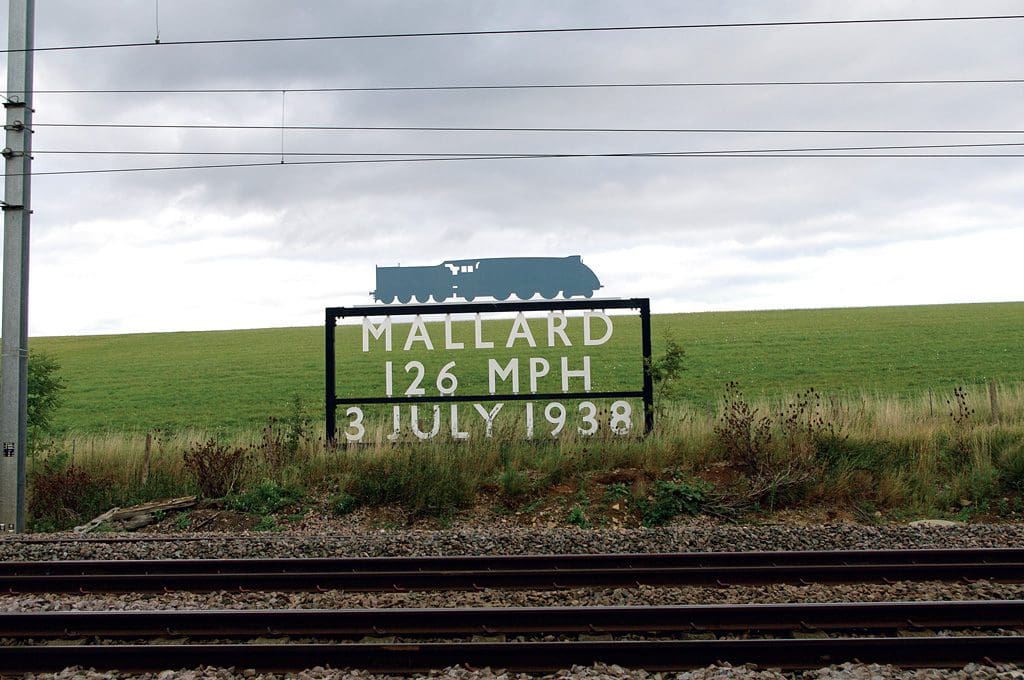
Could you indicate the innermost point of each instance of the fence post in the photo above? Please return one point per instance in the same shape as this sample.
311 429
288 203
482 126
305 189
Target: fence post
993 398
145 457
931 404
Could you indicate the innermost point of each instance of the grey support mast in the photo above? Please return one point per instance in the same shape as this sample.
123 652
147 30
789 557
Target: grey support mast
14 360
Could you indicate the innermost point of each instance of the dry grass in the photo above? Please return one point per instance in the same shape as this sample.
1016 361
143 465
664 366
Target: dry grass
874 451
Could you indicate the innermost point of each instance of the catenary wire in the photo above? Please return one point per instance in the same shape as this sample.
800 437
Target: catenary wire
532 31
353 161
540 86
427 128
87 152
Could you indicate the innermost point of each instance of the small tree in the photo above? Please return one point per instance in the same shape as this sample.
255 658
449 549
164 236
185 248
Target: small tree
666 370
45 394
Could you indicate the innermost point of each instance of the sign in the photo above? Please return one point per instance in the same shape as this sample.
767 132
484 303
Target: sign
497 277
527 364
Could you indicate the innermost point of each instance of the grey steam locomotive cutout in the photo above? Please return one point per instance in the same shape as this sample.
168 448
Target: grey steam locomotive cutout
497 277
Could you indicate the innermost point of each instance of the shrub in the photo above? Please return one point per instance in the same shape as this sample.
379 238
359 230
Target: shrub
45 387
62 494
215 468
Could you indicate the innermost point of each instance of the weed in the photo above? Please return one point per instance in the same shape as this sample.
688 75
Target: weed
960 413
616 491
1010 464
215 468
513 483
283 442
804 425
267 523
671 499
578 518
266 498
271 447
743 437
427 482
785 487
531 506
342 503
296 425
183 521
867 512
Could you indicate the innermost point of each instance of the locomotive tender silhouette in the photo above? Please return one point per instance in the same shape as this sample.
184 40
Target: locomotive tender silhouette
497 277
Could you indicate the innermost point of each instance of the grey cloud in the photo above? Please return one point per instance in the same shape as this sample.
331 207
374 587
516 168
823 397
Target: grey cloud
366 214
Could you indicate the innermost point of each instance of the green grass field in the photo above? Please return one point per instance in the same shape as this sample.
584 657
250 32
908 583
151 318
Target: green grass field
225 381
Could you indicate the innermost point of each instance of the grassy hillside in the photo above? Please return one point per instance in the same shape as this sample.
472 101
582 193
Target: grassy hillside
229 380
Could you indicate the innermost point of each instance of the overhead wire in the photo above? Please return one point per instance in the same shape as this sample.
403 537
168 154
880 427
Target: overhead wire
354 161
528 31
540 86
820 152
443 128
102 152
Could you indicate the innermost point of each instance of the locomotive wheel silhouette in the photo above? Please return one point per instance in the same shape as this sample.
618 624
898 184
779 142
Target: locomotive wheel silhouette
524 294
441 296
404 298
549 294
503 295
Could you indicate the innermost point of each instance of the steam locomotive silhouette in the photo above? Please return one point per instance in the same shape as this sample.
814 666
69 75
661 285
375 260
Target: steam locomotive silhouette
497 277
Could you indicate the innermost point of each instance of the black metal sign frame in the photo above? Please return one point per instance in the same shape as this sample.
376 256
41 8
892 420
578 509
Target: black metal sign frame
332 314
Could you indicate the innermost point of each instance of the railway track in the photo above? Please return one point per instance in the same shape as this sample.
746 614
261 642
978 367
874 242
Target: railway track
874 617
524 571
789 636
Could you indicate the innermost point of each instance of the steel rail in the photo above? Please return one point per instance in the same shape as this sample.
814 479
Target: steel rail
790 654
516 562
1012 572
455 622
49 539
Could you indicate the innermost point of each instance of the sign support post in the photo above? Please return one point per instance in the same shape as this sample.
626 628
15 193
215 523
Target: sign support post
645 346
330 324
14 356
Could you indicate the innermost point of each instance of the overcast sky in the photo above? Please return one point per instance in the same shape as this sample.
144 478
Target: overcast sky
272 246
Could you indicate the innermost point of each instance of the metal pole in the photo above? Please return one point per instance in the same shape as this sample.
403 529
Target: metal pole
330 390
14 354
645 341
